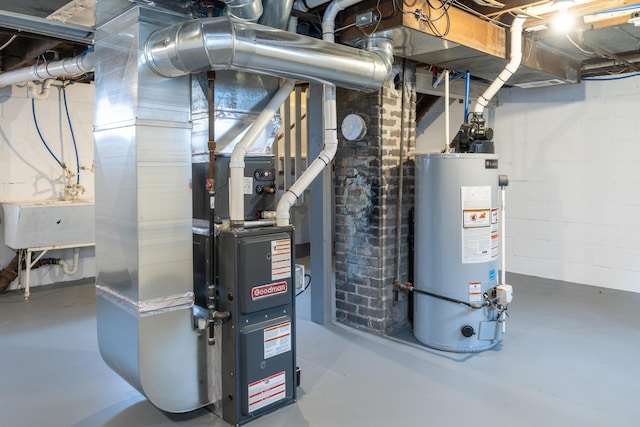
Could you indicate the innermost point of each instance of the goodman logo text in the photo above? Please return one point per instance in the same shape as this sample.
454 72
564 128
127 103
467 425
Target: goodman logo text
272 289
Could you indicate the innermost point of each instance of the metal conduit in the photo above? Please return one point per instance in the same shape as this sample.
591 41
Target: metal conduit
224 43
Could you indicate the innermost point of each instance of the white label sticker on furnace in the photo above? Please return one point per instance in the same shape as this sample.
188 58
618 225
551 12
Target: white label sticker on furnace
280 259
247 185
267 391
277 340
475 292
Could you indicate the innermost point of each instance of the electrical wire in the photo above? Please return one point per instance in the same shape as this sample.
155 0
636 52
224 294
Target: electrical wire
587 52
426 17
377 23
11 40
73 137
305 287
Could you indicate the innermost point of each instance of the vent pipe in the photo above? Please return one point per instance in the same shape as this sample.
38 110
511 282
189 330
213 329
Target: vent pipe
509 69
68 67
330 119
236 164
223 43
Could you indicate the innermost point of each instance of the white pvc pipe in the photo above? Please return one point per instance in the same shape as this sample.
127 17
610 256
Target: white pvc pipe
43 93
503 258
317 166
330 125
73 268
447 136
236 164
329 18
50 70
511 67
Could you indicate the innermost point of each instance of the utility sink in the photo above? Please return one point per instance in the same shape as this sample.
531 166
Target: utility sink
48 223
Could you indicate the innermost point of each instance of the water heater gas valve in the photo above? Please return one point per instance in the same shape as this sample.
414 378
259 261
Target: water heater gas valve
504 294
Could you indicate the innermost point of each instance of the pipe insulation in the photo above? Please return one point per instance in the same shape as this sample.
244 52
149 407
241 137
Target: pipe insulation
236 164
509 69
68 67
224 43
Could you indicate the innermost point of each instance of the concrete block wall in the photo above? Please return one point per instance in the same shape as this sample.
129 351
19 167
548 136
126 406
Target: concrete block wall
574 200
28 171
366 196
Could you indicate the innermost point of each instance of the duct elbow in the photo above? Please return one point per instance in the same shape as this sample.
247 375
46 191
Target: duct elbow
381 50
244 10
190 47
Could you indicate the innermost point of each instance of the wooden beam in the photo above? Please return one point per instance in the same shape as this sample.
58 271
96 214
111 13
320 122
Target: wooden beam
457 26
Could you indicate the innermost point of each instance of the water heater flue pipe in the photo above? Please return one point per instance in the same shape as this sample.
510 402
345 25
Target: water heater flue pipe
223 43
236 164
509 69
68 67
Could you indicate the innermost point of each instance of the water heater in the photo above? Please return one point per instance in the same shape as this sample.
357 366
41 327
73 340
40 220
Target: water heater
458 304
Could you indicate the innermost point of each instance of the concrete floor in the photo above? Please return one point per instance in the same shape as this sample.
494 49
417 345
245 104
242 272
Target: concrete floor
569 358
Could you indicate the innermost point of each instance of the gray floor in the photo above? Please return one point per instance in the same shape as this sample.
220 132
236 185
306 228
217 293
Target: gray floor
569 358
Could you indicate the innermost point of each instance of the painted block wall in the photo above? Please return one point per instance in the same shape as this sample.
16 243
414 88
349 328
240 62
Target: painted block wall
573 201
29 173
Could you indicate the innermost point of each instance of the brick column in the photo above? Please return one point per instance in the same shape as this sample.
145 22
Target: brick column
367 192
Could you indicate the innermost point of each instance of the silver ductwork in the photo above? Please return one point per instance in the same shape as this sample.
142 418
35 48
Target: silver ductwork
144 262
228 44
244 10
276 13
50 70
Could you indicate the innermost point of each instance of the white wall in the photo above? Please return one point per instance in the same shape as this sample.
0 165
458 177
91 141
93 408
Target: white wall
28 172
573 204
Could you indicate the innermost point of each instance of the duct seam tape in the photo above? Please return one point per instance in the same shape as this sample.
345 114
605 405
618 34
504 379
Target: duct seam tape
147 307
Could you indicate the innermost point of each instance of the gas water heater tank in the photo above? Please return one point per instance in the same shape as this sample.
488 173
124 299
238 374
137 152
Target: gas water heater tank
456 251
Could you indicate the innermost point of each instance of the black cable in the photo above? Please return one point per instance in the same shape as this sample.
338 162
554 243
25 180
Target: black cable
304 288
457 301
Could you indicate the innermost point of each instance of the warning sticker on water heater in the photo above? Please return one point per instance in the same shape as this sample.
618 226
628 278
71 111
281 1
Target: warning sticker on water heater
280 259
475 291
477 217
